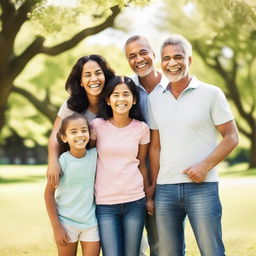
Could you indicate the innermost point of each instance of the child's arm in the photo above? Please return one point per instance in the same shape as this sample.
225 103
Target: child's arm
143 150
60 234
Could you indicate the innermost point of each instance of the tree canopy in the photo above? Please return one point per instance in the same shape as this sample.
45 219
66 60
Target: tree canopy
223 34
54 30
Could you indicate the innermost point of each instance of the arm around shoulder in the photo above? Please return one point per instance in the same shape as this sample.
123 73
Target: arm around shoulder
54 170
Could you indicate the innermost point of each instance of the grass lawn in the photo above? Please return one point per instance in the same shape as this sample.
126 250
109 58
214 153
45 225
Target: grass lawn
25 228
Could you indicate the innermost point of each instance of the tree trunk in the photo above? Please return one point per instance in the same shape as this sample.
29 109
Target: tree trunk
5 89
252 159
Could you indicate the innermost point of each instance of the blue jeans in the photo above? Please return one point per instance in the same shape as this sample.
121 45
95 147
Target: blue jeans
201 204
121 227
152 234
150 225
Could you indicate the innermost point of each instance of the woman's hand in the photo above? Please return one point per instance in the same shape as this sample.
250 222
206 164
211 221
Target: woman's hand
53 173
150 206
150 191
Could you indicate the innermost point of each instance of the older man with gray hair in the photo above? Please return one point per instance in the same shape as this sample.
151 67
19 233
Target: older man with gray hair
185 118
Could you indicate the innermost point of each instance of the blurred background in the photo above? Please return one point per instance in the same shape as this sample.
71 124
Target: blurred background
40 41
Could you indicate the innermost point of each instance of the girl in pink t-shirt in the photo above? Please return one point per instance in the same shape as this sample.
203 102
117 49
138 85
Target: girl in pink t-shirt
122 140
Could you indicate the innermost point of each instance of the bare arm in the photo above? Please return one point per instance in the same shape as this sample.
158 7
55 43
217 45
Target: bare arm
229 133
154 158
60 234
54 170
143 150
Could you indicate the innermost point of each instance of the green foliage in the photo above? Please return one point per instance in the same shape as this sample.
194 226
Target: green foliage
31 27
26 121
49 18
222 33
48 75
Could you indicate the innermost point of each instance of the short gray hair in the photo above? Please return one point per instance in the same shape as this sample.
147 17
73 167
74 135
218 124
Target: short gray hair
133 38
136 38
176 39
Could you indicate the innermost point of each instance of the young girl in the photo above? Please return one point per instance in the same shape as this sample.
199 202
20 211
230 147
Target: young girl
71 207
122 145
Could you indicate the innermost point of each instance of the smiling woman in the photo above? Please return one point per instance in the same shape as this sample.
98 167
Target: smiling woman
93 79
84 83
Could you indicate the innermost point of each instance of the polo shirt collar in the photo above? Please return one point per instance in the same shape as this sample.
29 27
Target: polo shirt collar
193 84
163 82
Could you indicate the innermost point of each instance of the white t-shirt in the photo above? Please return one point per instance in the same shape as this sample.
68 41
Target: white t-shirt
187 128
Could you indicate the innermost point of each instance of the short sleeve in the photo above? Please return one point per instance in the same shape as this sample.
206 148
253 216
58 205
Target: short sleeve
64 111
145 138
93 135
220 109
150 118
62 161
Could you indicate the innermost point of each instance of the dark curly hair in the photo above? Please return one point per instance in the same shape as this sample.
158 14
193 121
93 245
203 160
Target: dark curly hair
78 100
106 112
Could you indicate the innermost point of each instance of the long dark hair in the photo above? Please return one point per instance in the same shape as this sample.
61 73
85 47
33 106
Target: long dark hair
106 112
64 146
78 100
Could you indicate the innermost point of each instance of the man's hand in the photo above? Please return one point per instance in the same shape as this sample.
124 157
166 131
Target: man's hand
61 236
53 173
197 173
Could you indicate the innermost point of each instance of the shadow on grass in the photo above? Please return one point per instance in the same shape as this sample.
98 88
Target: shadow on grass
24 179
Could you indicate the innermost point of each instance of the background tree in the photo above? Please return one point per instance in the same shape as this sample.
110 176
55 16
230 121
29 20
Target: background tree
223 34
56 29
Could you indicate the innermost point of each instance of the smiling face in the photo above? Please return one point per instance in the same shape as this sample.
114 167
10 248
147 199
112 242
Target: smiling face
76 135
140 57
92 78
174 62
121 100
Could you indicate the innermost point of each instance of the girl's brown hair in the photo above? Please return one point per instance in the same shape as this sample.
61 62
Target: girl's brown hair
62 131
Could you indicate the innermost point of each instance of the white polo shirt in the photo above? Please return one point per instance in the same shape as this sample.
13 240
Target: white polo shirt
187 128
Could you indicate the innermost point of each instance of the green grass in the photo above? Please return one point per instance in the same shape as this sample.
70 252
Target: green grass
25 228
238 170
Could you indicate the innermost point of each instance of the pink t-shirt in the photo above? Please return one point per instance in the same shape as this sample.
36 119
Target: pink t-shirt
118 178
